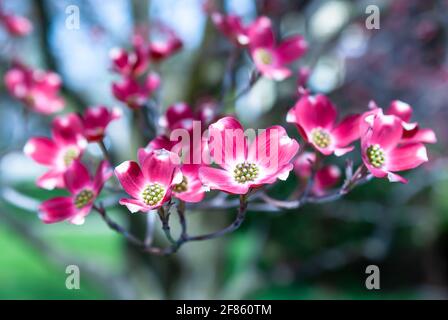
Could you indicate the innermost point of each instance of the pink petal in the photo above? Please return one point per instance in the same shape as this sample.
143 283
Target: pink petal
291 49
272 149
79 218
386 131
261 33
231 27
420 135
218 179
178 112
191 170
304 163
76 177
227 142
96 120
68 129
406 157
152 82
195 192
274 72
271 176
50 180
103 173
347 131
57 209
338 152
393 177
42 150
131 178
315 112
161 166
17 25
327 177
134 205
400 109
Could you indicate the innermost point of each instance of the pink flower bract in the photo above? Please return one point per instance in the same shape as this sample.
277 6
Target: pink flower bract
315 117
382 153
325 177
271 59
134 94
150 183
245 166
411 131
95 121
83 191
16 25
37 89
232 27
67 144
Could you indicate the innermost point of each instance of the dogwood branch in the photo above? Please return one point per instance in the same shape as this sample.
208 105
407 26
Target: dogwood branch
183 238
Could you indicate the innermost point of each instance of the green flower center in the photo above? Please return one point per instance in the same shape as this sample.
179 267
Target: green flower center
320 138
264 56
153 194
70 155
245 172
83 198
181 187
375 155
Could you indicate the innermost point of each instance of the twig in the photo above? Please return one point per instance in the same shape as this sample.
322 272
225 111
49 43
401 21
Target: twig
183 238
235 225
104 151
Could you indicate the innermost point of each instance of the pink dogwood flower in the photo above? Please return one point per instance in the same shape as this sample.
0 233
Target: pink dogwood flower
315 118
232 27
325 178
190 189
411 131
67 144
382 153
17 26
245 166
134 94
37 89
129 63
95 121
181 116
269 58
149 184
161 50
83 191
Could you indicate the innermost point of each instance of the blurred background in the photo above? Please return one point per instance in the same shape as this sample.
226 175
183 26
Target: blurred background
316 252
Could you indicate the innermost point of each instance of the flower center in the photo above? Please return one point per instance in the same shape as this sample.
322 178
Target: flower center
375 155
264 56
181 187
245 172
153 194
70 155
83 198
320 138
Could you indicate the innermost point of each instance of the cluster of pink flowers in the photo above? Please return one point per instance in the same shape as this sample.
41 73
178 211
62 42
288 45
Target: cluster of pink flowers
389 143
62 155
228 160
269 57
37 89
137 83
